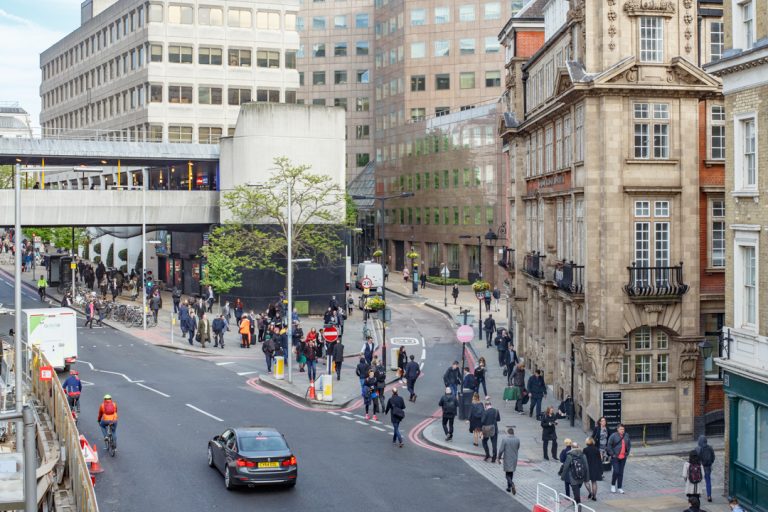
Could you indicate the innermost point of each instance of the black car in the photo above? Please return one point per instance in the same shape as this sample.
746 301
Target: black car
253 456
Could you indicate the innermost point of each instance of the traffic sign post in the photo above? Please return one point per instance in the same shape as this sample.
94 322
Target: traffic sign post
480 296
330 334
445 273
367 282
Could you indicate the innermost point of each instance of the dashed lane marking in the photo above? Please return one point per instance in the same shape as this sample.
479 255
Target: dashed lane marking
205 413
153 390
378 428
348 418
334 413
361 422
225 363
245 373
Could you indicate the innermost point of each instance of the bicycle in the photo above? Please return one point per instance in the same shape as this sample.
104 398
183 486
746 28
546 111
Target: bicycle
74 406
109 441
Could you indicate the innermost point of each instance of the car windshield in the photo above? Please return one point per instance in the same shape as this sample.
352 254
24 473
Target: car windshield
262 444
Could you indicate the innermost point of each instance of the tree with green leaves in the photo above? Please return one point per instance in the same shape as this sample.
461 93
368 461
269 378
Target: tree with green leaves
260 223
59 237
226 254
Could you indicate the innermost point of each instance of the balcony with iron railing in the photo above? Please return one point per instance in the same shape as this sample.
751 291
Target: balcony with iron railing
648 283
533 265
507 260
569 278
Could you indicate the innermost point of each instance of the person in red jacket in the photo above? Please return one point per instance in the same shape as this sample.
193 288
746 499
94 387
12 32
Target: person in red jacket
108 416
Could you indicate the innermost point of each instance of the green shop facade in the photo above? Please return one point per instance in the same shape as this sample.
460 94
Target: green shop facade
747 439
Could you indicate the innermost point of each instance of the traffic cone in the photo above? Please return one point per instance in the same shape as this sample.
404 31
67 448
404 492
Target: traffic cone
93 480
312 395
95 466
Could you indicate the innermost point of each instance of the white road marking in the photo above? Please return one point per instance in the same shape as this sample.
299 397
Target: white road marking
361 422
423 344
378 428
206 413
334 413
348 418
86 383
245 373
225 364
153 390
359 416
107 371
423 354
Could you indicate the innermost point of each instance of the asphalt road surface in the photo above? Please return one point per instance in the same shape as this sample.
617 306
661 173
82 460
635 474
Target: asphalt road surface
171 404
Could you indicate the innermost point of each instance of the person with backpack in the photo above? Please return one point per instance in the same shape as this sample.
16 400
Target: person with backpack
489 326
381 381
449 406
707 458
411 373
108 416
575 470
487 299
619 446
563 455
496 297
396 406
693 474
268 347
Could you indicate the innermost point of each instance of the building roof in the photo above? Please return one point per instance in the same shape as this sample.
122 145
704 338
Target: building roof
12 123
533 9
364 185
13 110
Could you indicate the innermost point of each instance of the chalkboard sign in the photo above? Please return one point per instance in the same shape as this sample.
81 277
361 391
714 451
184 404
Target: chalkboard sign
612 408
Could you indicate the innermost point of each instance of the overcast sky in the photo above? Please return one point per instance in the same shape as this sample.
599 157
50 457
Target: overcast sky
27 27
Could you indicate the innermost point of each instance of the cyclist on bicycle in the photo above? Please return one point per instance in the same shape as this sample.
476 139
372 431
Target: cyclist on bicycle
108 416
72 387
42 284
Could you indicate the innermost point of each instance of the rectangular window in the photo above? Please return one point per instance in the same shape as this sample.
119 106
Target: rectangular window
493 78
208 134
442 48
466 46
209 95
642 338
661 209
239 58
290 21
467 80
749 299
548 149
418 83
212 16
717 132
362 159
155 53
179 94
716 40
467 13
746 433
443 81
318 78
749 165
492 45
156 93
319 22
579 133
266 20
747 24
442 15
662 367
179 15
361 20
239 18
643 369
237 96
340 21
268 95
492 11
155 15
625 370
179 134
290 59
644 146
363 77
340 102
418 114
717 233
362 104
340 49
318 50
362 48
268 59
418 50
651 39
340 77
558 144
567 149
180 54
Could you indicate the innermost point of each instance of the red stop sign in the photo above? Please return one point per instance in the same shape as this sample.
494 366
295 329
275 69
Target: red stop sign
330 334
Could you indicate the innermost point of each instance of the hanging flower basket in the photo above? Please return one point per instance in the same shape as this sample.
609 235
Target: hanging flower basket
375 304
412 255
480 286
378 253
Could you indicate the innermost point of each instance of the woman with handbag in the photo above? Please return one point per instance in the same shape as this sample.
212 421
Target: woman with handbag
600 434
476 419
396 405
595 467
370 395
480 376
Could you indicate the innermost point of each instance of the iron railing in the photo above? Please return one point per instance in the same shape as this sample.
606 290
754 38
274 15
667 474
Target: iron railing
570 278
533 266
507 260
652 282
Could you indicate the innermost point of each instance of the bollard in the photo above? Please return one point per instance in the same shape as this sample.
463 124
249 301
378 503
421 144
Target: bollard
279 368
327 388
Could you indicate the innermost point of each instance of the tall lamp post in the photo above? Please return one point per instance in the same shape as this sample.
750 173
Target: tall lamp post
382 200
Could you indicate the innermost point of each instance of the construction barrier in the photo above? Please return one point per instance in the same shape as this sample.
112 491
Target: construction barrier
279 368
51 394
327 382
549 500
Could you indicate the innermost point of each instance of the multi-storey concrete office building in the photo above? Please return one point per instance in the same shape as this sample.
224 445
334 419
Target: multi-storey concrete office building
168 71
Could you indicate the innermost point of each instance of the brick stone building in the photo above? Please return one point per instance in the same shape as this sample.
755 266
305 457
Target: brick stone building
610 169
743 69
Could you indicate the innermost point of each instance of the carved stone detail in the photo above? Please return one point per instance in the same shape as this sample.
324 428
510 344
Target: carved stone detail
689 354
652 7
611 355
688 19
576 12
612 17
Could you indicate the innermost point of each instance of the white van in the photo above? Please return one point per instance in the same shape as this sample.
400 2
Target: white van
54 330
372 271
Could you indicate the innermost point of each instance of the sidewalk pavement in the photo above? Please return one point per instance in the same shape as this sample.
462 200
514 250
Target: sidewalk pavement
653 473
165 335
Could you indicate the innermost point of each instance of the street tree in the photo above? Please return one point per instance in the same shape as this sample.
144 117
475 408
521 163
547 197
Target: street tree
226 254
60 237
259 217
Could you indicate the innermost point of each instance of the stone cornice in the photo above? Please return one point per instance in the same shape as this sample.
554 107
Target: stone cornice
741 66
649 8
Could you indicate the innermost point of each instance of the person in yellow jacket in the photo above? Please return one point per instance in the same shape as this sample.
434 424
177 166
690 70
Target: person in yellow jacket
42 284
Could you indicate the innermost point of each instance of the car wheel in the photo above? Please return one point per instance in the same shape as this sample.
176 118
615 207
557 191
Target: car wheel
228 480
210 457
291 485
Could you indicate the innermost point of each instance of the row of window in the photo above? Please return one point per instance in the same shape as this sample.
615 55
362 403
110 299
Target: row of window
340 49
444 179
214 56
555 146
210 95
465 137
446 216
441 15
236 17
340 77
571 230
442 81
745 153
442 48
339 22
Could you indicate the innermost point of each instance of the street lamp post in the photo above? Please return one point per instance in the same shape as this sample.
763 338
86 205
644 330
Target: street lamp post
382 200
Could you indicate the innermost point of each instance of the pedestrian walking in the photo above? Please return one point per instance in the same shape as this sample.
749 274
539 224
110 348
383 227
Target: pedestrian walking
423 279
90 313
707 458
510 361
350 305
370 395
694 505
368 349
452 378
487 300
412 372
508 454
496 296
402 361
218 327
268 347
244 324
480 374
154 305
490 428
455 293
575 470
381 381
209 298
191 326
600 434
567 447
595 467
396 408
476 419
618 448
538 390
226 310
406 275
362 372
518 380
176 296
310 354
238 311
203 330
693 474
338 358
489 326
549 432
449 406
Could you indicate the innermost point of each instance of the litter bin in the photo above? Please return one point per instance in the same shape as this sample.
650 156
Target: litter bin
465 403
280 368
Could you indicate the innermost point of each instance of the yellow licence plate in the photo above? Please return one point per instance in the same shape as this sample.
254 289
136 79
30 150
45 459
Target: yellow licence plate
269 464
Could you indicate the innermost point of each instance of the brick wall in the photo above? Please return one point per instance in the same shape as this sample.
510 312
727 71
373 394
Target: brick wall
528 43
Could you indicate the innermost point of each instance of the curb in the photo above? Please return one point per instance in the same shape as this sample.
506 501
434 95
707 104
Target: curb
315 404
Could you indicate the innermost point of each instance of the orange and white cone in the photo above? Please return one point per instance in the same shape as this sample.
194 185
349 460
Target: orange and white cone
95 466
312 395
